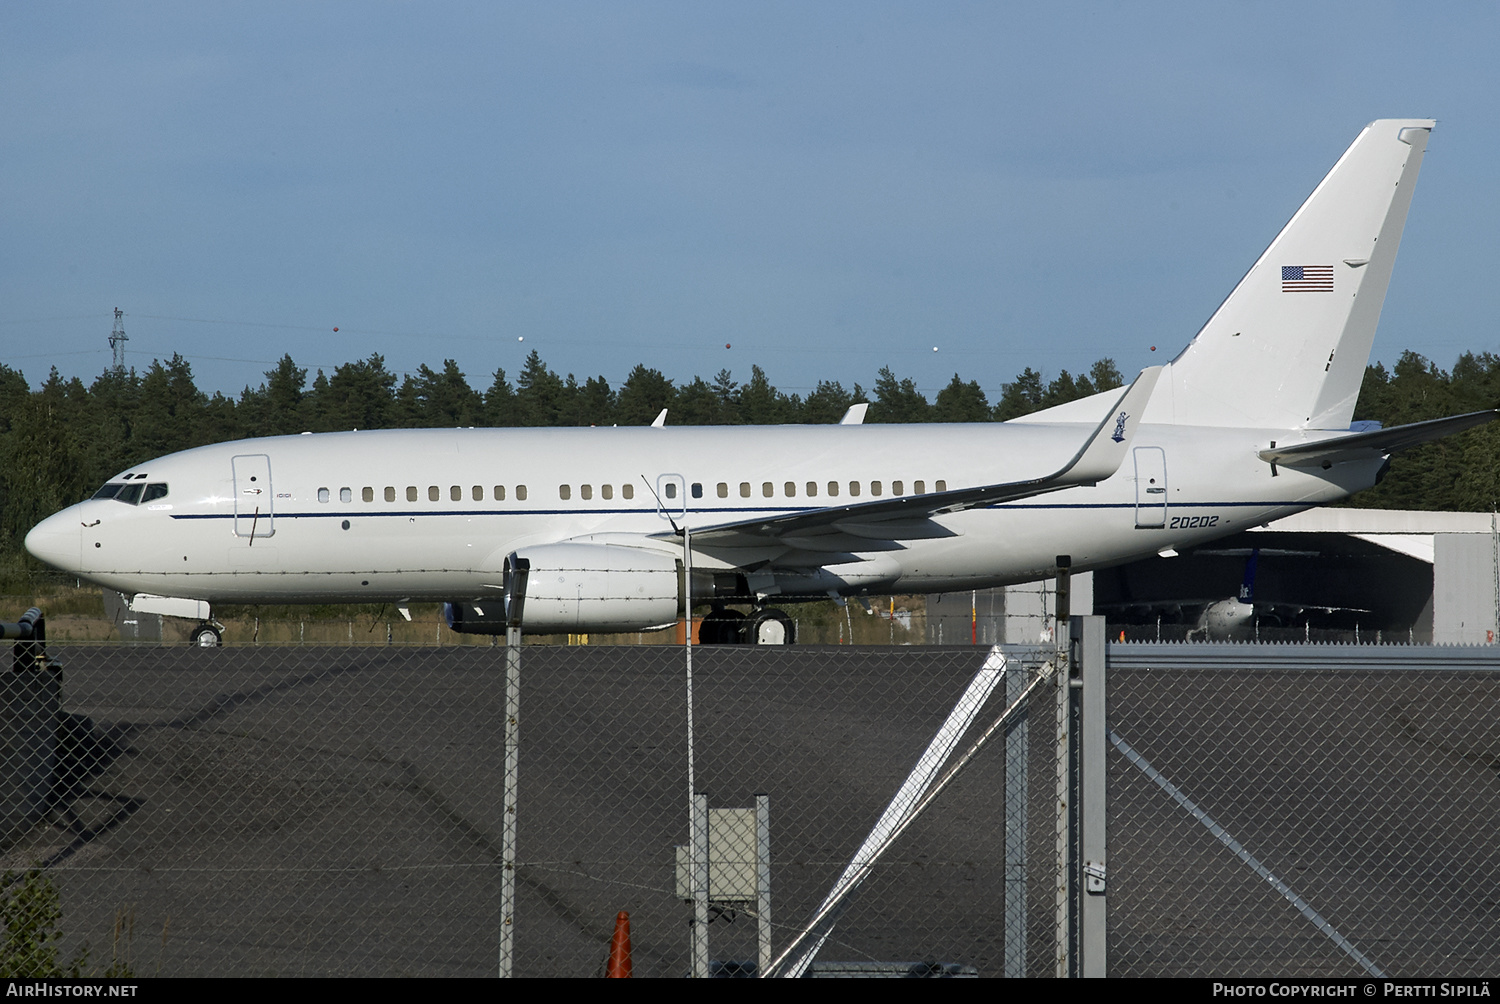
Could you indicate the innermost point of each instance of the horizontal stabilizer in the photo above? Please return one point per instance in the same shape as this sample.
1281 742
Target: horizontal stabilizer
1369 445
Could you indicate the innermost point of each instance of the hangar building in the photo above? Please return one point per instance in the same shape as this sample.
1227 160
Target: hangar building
1369 575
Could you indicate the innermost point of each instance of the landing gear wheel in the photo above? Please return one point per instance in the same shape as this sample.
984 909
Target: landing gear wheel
769 627
206 636
721 627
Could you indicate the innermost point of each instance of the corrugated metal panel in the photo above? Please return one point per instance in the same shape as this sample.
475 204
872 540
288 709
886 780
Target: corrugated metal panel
1250 655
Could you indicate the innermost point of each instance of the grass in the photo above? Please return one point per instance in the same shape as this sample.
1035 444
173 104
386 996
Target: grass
75 613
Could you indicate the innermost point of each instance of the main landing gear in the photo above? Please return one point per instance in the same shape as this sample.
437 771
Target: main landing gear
206 635
764 626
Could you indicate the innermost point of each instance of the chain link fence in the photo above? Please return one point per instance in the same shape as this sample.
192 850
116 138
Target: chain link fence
318 810
1300 810
339 810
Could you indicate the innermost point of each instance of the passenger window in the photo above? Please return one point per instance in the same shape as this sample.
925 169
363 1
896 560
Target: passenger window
723 490
586 491
920 487
874 487
154 492
767 489
390 493
565 492
812 489
833 489
895 488
433 494
411 493
671 489
627 491
744 489
942 486
791 489
606 491
455 493
346 495
697 490
854 488
367 493
499 493
323 495
477 493
520 493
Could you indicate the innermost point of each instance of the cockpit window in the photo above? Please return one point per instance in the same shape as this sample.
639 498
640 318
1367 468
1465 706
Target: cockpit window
132 494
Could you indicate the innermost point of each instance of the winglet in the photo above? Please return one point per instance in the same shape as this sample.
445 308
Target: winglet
856 414
1106 449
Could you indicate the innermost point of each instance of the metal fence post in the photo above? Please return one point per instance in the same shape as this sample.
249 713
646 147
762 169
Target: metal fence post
508 821
517 571
699 865
1090 633
1016 794
763 883
1064 805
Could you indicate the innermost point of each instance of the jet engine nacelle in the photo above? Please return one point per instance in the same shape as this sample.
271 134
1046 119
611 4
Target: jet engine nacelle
583 587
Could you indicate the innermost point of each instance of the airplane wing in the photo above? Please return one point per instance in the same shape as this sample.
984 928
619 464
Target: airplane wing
910 517
1369 445
1282 608
1139 607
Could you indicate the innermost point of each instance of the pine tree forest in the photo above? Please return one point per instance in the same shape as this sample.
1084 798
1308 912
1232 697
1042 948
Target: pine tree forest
63 440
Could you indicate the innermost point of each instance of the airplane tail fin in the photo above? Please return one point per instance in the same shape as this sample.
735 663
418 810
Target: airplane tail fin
1247 587
1288 348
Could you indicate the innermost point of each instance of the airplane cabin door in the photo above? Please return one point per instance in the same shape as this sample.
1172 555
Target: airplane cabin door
1150 488
254 511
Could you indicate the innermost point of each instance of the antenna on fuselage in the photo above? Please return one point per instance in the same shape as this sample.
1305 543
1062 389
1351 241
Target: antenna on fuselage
660 507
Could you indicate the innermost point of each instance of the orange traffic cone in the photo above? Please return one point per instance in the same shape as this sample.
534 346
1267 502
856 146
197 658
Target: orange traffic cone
619 949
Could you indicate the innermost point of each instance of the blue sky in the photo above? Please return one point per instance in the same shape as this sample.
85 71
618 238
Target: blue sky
827 188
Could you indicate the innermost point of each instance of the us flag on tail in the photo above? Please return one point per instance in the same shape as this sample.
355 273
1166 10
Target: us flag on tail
1307 278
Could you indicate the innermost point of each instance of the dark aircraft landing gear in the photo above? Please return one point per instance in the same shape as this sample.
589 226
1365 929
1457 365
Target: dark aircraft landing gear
206 635
721 627
769 626
766 626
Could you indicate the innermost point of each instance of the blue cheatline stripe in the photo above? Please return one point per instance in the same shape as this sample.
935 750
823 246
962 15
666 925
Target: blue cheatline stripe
351 513
1222 835
748 511
1147 505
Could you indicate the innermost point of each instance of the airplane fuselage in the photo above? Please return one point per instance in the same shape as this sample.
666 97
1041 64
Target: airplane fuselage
432 514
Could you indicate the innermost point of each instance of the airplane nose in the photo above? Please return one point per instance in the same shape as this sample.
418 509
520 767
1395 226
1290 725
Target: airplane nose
57 540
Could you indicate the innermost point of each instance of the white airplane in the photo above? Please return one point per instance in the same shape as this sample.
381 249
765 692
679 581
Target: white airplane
616 527
1232 618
